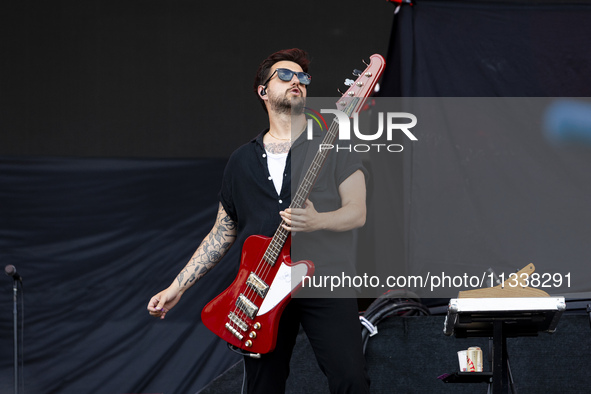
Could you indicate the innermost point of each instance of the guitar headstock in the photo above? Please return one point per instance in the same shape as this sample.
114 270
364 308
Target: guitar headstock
360 89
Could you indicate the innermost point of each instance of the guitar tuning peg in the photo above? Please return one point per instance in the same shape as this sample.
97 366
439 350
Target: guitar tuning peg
357 72
364 62
349 82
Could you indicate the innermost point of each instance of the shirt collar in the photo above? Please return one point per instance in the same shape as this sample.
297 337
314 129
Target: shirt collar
259 139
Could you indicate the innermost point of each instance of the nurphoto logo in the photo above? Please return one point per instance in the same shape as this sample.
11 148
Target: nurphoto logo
394 123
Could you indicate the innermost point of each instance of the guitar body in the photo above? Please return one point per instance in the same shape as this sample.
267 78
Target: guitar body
240 315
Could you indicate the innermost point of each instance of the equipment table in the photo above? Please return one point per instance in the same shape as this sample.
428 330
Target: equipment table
499 319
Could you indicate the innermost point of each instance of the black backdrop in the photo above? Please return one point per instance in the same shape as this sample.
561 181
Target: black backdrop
484 186
163 78
446 48
94 238
95 95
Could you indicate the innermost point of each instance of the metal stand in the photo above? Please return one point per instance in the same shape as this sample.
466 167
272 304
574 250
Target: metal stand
500 361
15 328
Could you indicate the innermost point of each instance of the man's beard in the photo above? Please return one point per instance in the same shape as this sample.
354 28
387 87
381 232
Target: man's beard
284 105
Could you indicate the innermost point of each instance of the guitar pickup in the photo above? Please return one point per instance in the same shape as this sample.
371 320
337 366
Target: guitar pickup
247 306
257 284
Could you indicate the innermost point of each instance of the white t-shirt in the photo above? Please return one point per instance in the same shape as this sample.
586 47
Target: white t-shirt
276 164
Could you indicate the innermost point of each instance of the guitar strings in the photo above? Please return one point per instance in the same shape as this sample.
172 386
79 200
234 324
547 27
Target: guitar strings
277 243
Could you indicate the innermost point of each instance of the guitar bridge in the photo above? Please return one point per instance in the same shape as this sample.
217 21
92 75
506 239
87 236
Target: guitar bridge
257 284
247 306
234 331
238 321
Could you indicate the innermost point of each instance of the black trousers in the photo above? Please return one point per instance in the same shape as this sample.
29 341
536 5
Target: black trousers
333 329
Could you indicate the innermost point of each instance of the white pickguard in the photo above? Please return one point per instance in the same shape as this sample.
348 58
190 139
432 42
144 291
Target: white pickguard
282 285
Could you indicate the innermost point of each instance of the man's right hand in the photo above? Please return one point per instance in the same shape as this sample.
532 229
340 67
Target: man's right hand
164 301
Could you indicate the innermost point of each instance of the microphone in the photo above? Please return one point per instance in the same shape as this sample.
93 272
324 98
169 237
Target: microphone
11 271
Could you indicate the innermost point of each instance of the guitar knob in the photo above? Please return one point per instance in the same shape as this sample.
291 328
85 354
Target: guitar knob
252 335
248 343
257 326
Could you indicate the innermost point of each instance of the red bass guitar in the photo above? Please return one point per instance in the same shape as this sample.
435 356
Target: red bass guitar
247 313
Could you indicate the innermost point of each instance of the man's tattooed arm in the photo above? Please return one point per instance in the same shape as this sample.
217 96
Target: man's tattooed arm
210 252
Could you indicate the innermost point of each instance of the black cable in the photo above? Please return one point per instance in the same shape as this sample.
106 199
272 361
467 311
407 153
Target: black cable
403 309
387 298
243 378
242 352
393 302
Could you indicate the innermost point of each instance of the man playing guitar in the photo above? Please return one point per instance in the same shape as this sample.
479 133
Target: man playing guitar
255 199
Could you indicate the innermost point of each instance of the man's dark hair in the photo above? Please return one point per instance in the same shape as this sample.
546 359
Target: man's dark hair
293 55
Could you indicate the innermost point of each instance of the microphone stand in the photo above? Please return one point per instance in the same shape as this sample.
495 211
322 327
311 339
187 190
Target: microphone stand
15 315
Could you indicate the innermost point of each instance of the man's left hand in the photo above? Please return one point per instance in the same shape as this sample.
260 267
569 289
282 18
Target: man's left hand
304 219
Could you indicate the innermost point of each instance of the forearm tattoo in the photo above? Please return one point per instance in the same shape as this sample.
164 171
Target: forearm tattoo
211 250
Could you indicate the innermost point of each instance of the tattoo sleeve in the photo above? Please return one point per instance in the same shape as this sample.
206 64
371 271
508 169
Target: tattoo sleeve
210 252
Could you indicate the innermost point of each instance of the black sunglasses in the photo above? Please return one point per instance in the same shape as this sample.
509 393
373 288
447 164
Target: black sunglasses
286 75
